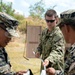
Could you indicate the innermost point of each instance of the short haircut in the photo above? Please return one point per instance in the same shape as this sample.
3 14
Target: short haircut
50 13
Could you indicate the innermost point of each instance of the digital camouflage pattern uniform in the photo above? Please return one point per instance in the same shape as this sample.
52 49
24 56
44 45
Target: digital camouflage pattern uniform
69 66
52 46
9 24
5 66
70 61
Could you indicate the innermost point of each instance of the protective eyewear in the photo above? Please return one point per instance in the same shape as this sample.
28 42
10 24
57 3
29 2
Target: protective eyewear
8 35
51 21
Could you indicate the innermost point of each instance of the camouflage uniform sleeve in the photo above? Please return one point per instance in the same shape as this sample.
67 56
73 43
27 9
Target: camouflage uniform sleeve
4 67
72 69
56 56
59 72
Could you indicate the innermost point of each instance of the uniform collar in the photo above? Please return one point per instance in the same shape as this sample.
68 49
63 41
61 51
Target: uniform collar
51 32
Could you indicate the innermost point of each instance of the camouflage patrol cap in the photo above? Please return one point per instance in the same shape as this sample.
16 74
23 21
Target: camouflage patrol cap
68 14
67 18
9 24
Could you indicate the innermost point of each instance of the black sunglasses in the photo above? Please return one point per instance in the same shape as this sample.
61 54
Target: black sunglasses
50 21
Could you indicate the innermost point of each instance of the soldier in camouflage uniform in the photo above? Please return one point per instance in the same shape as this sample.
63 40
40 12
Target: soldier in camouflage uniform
52 44
7 30
67 25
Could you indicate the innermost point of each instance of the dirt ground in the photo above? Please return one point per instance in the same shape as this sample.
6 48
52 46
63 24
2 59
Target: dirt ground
16 50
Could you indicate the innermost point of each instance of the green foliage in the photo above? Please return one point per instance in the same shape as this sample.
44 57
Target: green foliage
35 18
6 7
19 17
22 26
37 9
31 21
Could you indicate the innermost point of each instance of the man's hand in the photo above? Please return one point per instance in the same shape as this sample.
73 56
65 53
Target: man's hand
50 71
37 55
46 62
20 72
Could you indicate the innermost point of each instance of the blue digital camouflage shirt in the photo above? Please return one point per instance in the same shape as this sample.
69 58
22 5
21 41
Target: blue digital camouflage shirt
52 47
69 66
70 61
5 66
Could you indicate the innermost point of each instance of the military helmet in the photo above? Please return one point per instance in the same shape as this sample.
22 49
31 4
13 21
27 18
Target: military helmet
8 23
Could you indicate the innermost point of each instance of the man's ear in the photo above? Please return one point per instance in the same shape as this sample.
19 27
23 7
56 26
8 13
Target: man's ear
57 19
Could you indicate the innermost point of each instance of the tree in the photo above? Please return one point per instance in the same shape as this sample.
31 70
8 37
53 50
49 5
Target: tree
37 9
6 8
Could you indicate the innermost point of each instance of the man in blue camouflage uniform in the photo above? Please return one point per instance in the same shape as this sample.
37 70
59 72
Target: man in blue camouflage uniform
67 25
52 44
7 31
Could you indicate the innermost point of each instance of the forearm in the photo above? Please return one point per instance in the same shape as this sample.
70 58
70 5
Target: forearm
59 72
5 70
55 56
11 73
56 59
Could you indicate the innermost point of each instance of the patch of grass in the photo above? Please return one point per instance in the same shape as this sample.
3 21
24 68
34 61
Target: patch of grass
15 51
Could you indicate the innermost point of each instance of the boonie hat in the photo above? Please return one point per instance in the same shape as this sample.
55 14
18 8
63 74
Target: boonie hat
9 24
